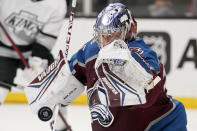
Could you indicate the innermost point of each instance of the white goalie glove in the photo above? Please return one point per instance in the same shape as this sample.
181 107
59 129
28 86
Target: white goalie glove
37 65
123 73
55 85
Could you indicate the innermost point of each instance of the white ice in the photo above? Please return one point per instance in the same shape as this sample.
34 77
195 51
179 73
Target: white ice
18 117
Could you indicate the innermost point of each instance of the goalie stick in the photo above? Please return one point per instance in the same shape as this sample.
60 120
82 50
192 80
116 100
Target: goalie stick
71 18
56 108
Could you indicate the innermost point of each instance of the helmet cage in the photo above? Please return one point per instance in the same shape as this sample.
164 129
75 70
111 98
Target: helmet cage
114 18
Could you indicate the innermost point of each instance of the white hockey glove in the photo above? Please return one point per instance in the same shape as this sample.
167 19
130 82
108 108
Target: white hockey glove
37 65
55 85
122 74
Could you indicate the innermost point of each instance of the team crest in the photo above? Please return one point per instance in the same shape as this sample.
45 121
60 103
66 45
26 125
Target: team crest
24 24
98 102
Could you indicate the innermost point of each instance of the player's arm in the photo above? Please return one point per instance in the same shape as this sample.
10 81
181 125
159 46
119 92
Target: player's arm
47 34
152 64
149 55
77 66
39 60
42 52
45 40
115 64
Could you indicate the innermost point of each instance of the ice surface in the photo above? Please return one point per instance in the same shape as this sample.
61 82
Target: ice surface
18 117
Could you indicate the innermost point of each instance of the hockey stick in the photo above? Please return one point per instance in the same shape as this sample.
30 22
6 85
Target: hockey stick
71 18
10 85
68 128
41 84
68 37
14 46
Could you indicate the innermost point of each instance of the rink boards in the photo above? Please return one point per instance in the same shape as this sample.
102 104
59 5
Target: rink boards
188 102
174 40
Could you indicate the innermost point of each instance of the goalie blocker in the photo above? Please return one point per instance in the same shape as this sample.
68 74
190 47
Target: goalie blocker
55 85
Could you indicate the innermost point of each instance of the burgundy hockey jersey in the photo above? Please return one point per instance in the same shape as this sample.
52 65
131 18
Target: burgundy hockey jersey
118 117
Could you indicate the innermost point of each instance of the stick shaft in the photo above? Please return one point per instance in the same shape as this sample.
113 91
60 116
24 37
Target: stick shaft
14 46
69 31
65 122
68 37
10 85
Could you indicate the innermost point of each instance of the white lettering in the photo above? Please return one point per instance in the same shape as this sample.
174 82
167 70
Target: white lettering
47 71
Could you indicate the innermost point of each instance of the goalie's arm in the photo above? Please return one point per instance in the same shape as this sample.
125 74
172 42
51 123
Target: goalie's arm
151 65
146 53
77 66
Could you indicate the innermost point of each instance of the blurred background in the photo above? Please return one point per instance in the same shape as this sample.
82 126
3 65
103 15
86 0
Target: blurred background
168 26
143 8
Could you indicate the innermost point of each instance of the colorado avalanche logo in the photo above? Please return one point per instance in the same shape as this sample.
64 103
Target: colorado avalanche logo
102 114
98 102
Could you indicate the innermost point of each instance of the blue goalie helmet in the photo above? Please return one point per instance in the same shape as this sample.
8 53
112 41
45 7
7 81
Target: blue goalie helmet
115 18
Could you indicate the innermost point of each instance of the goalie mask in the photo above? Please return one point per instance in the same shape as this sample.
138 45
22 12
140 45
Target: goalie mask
112 23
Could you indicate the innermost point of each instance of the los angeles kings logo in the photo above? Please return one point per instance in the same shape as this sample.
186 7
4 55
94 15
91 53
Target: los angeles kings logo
24 24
